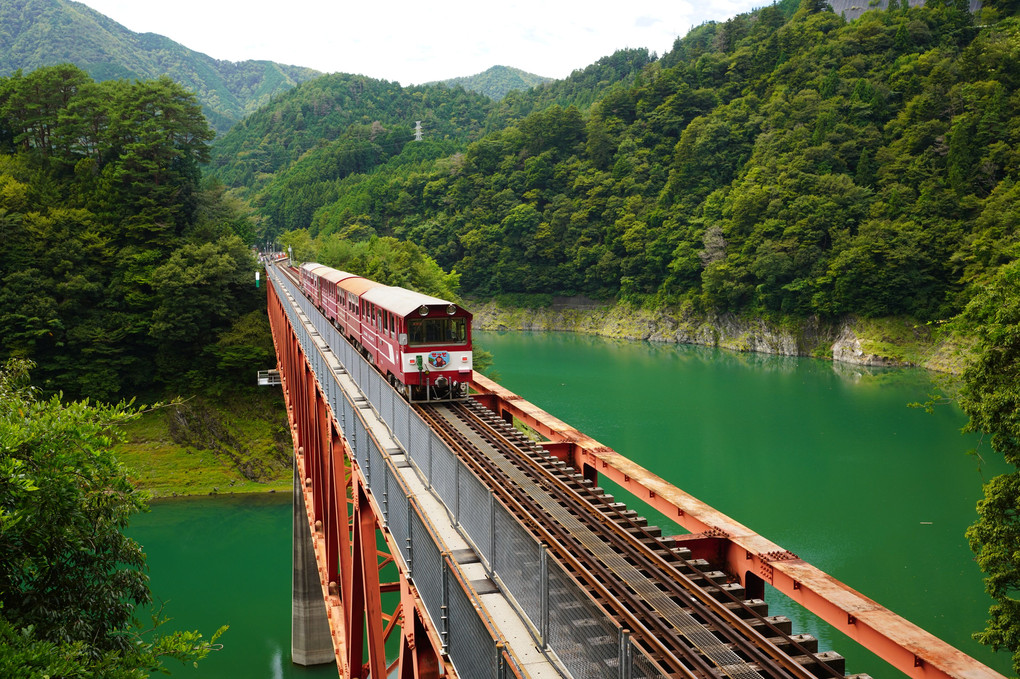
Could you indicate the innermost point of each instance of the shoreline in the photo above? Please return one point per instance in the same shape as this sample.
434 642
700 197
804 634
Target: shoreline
887 342
181 497
883 343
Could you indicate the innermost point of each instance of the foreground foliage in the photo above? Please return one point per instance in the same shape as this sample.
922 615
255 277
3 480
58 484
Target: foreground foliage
70 580
991 397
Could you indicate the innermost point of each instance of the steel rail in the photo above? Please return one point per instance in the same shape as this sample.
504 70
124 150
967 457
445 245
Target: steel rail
649 627
662 604
557 538
713 613
679 582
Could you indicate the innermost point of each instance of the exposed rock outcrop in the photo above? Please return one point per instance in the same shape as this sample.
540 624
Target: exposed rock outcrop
806 337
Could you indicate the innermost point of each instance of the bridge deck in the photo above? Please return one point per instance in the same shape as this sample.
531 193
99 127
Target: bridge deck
493 604
407 455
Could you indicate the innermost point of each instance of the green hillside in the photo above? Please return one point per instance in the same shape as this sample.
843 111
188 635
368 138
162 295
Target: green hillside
497 81
781 162
289 158
35 33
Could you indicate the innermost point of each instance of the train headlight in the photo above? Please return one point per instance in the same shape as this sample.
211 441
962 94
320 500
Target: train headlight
423 310
452 309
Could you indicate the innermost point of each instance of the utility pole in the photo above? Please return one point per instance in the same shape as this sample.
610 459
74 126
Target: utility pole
417 130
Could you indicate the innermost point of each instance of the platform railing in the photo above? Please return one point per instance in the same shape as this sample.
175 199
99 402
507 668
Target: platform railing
544 592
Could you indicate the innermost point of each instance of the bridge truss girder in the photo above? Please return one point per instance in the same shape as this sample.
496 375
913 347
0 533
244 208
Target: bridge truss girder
351 547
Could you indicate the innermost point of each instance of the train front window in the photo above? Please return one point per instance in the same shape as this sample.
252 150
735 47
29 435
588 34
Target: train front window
437 331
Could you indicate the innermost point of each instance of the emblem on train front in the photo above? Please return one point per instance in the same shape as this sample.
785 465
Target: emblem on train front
439 359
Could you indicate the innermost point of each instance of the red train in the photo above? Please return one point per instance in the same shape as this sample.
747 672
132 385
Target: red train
422 344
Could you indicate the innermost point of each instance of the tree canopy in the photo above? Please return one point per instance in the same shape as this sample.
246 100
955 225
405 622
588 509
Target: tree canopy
782 162
991 398
102 210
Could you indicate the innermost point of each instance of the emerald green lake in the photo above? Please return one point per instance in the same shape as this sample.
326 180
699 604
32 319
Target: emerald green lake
827 461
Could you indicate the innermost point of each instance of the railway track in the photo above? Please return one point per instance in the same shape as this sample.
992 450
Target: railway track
684 618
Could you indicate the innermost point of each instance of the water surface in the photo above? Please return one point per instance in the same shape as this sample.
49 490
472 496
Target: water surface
226 560
827 461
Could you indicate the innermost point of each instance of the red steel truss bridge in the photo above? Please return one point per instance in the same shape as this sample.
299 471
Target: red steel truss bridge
439 541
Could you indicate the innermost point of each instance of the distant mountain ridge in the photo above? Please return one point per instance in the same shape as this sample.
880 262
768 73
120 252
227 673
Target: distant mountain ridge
497 81
36 33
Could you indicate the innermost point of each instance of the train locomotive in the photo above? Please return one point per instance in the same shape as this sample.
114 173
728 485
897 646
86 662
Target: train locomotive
422 344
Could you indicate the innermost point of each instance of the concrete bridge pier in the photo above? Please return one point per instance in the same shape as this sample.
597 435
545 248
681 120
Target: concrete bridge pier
310 639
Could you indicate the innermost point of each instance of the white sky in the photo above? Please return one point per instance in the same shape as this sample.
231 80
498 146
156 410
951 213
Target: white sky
420 42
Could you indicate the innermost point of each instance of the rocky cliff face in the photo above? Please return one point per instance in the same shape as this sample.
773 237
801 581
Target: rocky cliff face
852 9
843 342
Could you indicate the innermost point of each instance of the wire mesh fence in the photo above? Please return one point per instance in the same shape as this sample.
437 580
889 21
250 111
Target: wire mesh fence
564 619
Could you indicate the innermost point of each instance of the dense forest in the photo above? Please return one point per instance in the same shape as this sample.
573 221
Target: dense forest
123 273
801 165
330 128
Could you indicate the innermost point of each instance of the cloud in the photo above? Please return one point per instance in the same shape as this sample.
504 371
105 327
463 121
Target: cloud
646 22
413 42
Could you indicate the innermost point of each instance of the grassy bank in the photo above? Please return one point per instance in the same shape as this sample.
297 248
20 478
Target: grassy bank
235 443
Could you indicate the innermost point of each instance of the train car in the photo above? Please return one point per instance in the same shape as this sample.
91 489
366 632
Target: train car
330 293
311 280
358 318
422 344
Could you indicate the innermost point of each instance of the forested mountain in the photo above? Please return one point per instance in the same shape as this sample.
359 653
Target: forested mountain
289 157
35 33
122 273
497 81
581 88
780 162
